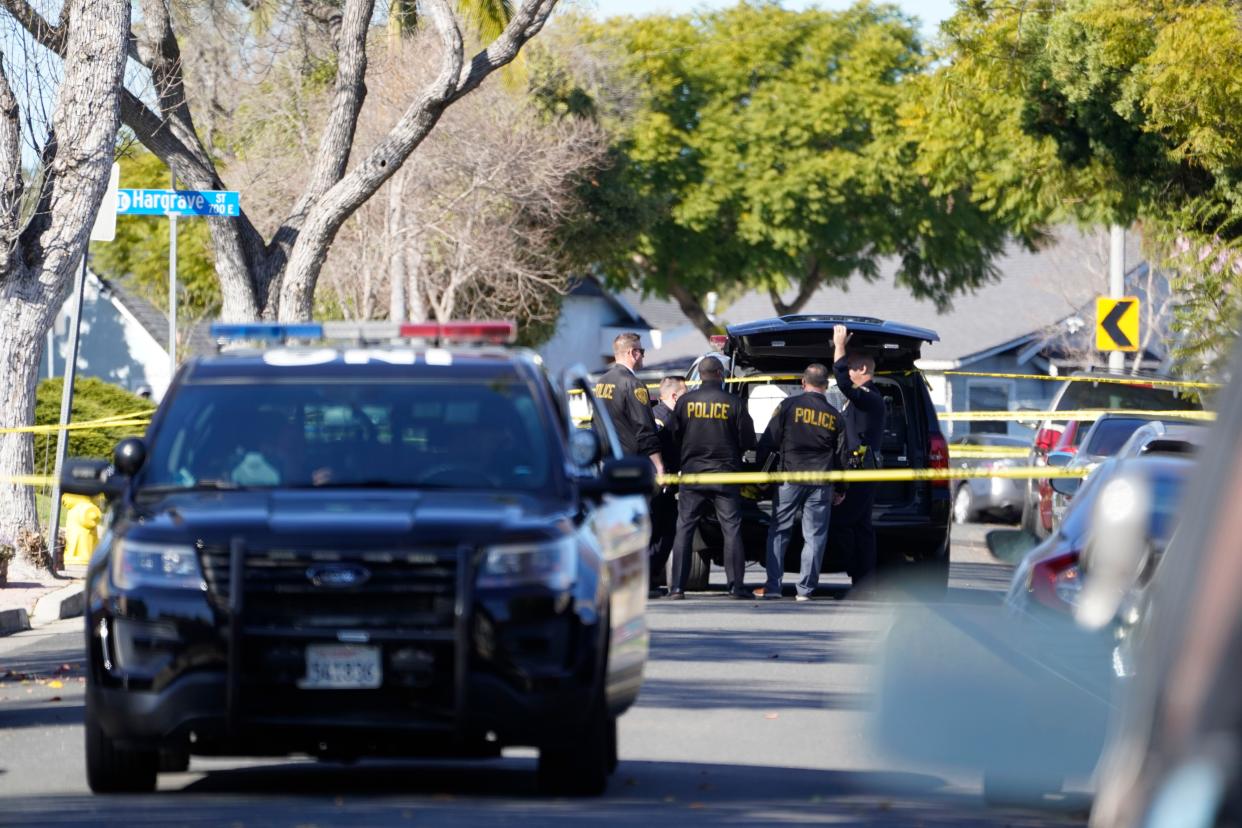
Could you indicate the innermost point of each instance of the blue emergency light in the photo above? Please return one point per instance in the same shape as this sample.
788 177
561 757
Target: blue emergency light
275 331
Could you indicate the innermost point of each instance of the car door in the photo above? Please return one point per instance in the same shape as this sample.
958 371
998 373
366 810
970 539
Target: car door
619 529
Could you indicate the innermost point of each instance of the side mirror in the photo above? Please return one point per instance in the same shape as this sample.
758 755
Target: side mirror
622 476
585 448
90 478
129 456
1060 459
1067 486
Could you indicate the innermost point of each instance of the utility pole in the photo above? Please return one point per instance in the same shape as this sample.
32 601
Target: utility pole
1117 282
172 289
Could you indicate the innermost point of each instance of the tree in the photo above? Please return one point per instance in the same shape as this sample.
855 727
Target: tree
46 213
768 149
274 276
1104 111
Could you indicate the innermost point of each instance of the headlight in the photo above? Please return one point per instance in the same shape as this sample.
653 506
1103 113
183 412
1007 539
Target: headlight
136 564
552 564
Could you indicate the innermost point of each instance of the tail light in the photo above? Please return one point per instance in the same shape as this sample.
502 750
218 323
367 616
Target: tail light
1046 438
492 332
938 456
1056 582
718 341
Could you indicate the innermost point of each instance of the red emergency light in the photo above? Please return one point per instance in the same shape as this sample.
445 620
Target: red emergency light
493 332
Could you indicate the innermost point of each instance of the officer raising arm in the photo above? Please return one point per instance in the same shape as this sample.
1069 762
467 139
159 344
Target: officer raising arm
864 427
628 402
714 430
808 432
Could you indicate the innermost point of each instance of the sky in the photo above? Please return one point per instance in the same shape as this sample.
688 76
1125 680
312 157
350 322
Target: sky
929 12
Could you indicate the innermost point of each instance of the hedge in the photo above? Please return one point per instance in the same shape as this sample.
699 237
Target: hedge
93 399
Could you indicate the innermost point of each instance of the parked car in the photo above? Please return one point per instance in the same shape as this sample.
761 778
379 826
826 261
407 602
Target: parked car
1160 437
1121 392
911 518
995 497
1103 439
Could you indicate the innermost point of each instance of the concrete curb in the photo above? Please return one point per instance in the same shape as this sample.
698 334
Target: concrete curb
13 620
63 603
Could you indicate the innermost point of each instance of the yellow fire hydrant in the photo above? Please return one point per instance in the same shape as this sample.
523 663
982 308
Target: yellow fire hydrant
82 518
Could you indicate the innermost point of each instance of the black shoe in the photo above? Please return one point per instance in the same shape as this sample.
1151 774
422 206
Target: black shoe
741 594
655 592
676 595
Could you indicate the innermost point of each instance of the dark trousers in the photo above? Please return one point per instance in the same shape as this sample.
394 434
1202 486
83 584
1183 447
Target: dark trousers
851 523
663 532
692 505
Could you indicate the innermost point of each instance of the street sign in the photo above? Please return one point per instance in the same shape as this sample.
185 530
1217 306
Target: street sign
104 228
225 203
1117 324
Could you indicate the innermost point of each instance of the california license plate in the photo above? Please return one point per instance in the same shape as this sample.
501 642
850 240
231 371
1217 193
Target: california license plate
342 667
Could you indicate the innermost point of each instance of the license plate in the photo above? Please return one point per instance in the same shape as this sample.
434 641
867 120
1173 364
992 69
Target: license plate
341 667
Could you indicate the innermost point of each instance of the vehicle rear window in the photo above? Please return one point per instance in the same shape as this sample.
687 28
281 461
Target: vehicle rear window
292 435
1110 435
1086 395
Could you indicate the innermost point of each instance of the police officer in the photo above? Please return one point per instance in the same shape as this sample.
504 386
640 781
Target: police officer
808 432
664 504
628 402
714 430
864 414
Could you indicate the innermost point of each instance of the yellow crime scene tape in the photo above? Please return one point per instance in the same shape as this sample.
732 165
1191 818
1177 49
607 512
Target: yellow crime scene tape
868 476
1159 383
1084 415
52 429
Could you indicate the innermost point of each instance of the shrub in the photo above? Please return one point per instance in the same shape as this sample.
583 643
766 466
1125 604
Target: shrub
93 399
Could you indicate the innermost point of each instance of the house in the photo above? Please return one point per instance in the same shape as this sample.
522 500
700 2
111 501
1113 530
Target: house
591 317
1038 318
123 339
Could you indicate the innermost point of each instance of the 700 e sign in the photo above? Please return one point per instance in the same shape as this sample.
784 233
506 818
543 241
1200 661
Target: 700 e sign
224 203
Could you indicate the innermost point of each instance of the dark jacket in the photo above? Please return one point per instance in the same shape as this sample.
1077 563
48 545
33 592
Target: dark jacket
628 403
714 429
670 452
863 412
809 433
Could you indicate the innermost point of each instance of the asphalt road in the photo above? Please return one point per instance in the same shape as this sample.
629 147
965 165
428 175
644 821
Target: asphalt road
751 713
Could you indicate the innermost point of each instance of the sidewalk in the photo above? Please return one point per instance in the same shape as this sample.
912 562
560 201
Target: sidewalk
26 604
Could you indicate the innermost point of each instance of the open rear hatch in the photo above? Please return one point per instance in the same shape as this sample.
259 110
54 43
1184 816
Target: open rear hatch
787 344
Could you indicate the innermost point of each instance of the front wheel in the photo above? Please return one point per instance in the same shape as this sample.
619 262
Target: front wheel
582 768
114 769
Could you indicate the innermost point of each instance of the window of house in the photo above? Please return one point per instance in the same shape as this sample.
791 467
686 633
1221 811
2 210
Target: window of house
989 396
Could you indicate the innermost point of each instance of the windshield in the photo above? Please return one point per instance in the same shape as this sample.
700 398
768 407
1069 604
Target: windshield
291 435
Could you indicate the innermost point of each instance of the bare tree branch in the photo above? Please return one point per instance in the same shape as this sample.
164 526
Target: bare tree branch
53 38
11 183
806 289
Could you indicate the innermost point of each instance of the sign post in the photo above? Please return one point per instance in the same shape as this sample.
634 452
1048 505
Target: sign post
172 204
104 229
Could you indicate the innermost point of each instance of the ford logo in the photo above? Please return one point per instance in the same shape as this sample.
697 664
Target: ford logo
338 576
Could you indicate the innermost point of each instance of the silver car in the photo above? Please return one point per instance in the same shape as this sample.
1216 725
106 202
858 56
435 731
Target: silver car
995 497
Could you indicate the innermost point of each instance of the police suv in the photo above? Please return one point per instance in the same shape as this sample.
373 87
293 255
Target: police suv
350 550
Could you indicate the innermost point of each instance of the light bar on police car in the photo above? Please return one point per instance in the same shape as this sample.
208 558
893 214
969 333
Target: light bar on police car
276 331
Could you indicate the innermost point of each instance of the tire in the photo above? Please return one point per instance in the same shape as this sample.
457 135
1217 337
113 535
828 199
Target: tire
113 769
1004 789
583 767
963 504
700 571
1029 517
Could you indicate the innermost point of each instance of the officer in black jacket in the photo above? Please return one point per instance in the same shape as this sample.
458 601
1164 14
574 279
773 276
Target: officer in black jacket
864 414
627 400
714 430
664 504
809 433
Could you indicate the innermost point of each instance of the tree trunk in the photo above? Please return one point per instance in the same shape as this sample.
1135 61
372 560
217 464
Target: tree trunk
693 309
393 225
415 295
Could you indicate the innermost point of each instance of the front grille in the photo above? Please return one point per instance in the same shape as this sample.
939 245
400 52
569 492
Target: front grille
403 589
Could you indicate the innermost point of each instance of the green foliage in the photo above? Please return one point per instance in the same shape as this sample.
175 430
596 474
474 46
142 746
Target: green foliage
768 151
1100 111
138 258
93 399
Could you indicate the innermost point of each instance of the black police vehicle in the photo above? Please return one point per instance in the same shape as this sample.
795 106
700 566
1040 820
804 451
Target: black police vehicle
350 551
911 519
